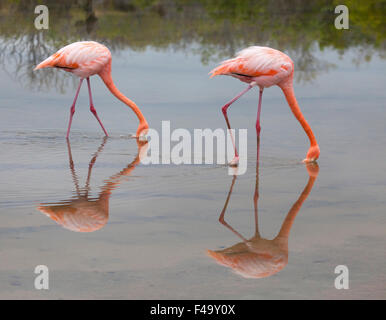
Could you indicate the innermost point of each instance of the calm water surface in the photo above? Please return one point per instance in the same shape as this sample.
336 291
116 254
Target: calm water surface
154 224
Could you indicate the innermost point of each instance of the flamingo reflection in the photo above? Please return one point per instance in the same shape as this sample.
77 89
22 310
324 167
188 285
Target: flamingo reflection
83 213
258 257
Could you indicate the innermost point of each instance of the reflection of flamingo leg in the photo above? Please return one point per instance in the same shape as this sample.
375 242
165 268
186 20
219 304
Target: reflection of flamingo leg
72 168
92 109
72 110
221 218
91 164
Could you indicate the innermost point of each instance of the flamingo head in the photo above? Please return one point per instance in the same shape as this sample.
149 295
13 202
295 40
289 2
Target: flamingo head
312 154
142 130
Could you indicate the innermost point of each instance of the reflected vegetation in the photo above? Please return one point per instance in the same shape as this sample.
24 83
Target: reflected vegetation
258 257
83 213
213 29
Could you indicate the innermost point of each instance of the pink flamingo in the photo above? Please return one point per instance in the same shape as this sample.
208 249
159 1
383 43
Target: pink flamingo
265 67
84 59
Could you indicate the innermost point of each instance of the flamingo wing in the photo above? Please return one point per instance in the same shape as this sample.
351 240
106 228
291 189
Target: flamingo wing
255 62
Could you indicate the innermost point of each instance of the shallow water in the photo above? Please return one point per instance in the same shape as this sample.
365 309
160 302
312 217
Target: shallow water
157 222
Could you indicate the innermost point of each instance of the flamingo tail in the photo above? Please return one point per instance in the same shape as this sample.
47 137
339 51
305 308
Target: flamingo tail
220 70
49 62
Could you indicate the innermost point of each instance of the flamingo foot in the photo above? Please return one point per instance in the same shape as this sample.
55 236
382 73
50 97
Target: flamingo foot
142 130
234 162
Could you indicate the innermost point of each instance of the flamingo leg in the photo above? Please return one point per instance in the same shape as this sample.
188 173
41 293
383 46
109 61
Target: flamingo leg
256 194
258 128
92 109
224 111
72 110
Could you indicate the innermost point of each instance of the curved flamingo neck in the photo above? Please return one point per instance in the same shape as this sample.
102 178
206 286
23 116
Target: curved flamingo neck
114 181
105 75
289 93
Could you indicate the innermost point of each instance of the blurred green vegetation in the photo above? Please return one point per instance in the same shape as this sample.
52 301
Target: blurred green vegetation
213 29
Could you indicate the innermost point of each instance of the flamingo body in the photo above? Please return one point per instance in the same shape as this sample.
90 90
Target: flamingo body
260 65
85 59
265 67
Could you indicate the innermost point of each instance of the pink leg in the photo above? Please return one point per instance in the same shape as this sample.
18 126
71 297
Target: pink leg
92 109
72 110
258 128
224 111
256 195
